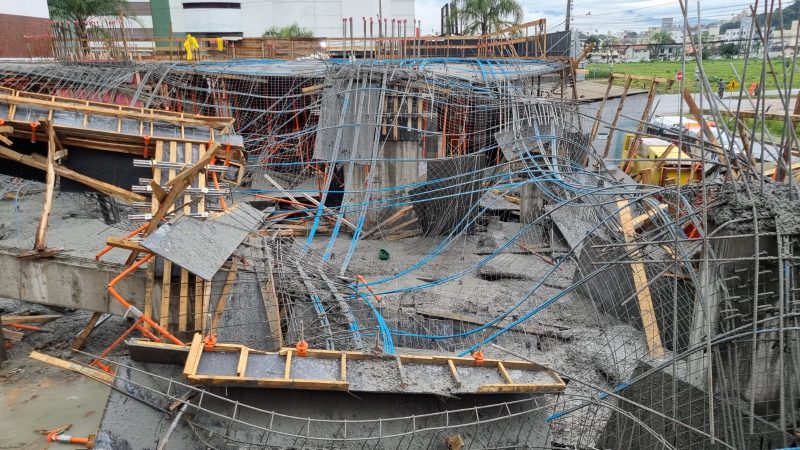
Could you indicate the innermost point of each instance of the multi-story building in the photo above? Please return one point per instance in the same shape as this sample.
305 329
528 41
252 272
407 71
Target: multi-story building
251 18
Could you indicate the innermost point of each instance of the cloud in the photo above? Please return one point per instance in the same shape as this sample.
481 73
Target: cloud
594 15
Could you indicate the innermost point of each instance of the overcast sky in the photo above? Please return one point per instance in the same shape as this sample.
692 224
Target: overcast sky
592 16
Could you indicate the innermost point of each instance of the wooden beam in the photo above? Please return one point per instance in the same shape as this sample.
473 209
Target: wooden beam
644 299
126 244
698 116
80 340
616 115
183 301
331 214
388 221
50 182
226 292
13 336
190 172
30 319
90 372
41 164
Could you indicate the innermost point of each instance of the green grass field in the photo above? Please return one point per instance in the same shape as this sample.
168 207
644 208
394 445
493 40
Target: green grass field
715 69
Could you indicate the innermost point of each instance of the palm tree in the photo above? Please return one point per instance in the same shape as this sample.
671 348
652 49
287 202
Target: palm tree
80 12
290 31
485 16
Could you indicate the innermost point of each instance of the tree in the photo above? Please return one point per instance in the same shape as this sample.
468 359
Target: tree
290 31
729 26
658 40
80 12
485 16
728 50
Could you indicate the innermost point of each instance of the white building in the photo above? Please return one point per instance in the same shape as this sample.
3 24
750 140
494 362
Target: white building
250 18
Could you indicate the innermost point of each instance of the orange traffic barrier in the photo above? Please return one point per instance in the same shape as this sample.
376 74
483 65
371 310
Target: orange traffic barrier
302 348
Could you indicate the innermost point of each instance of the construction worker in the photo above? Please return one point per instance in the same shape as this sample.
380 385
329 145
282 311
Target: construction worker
189 45
721 87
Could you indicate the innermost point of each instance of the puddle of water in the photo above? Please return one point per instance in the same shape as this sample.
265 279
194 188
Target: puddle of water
47 404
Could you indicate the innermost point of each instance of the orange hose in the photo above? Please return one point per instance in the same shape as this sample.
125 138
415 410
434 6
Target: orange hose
363 281
161 330
216 182
22 326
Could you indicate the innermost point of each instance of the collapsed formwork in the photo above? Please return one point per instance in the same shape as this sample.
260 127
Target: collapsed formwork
669 309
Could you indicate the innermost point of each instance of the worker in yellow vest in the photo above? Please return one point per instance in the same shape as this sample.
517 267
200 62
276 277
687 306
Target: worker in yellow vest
220 44
189 45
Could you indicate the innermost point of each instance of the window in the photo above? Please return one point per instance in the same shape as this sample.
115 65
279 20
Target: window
211 5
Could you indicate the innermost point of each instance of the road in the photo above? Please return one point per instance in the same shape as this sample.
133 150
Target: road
669 104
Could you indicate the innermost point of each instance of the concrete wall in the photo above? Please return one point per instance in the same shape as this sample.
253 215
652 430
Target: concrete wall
68 282
400 166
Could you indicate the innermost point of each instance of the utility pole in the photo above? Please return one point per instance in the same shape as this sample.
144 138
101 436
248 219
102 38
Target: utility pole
569 15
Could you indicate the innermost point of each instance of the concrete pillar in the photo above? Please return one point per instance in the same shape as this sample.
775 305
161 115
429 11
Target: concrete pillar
398 165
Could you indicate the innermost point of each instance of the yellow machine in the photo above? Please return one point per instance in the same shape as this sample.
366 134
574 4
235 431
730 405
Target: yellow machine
656 161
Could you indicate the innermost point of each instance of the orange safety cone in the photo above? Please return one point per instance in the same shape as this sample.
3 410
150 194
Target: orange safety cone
479 357
302 347
209 342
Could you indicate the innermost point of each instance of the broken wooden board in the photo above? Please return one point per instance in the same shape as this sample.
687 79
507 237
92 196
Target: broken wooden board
90 372
202 246
237 365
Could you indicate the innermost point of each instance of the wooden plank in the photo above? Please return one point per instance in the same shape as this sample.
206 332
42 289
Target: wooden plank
166 287
30 319
176 190
187 159
226 292
195 352
126 244
194 169
343 368
198 303
80 340
388 221
13 336
270 298
616 115
206 304
644 299
287 368
90 372
641 77
183 301
50 182
241 368
41 164
695 110
107 109
331 214
454 372
504 373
